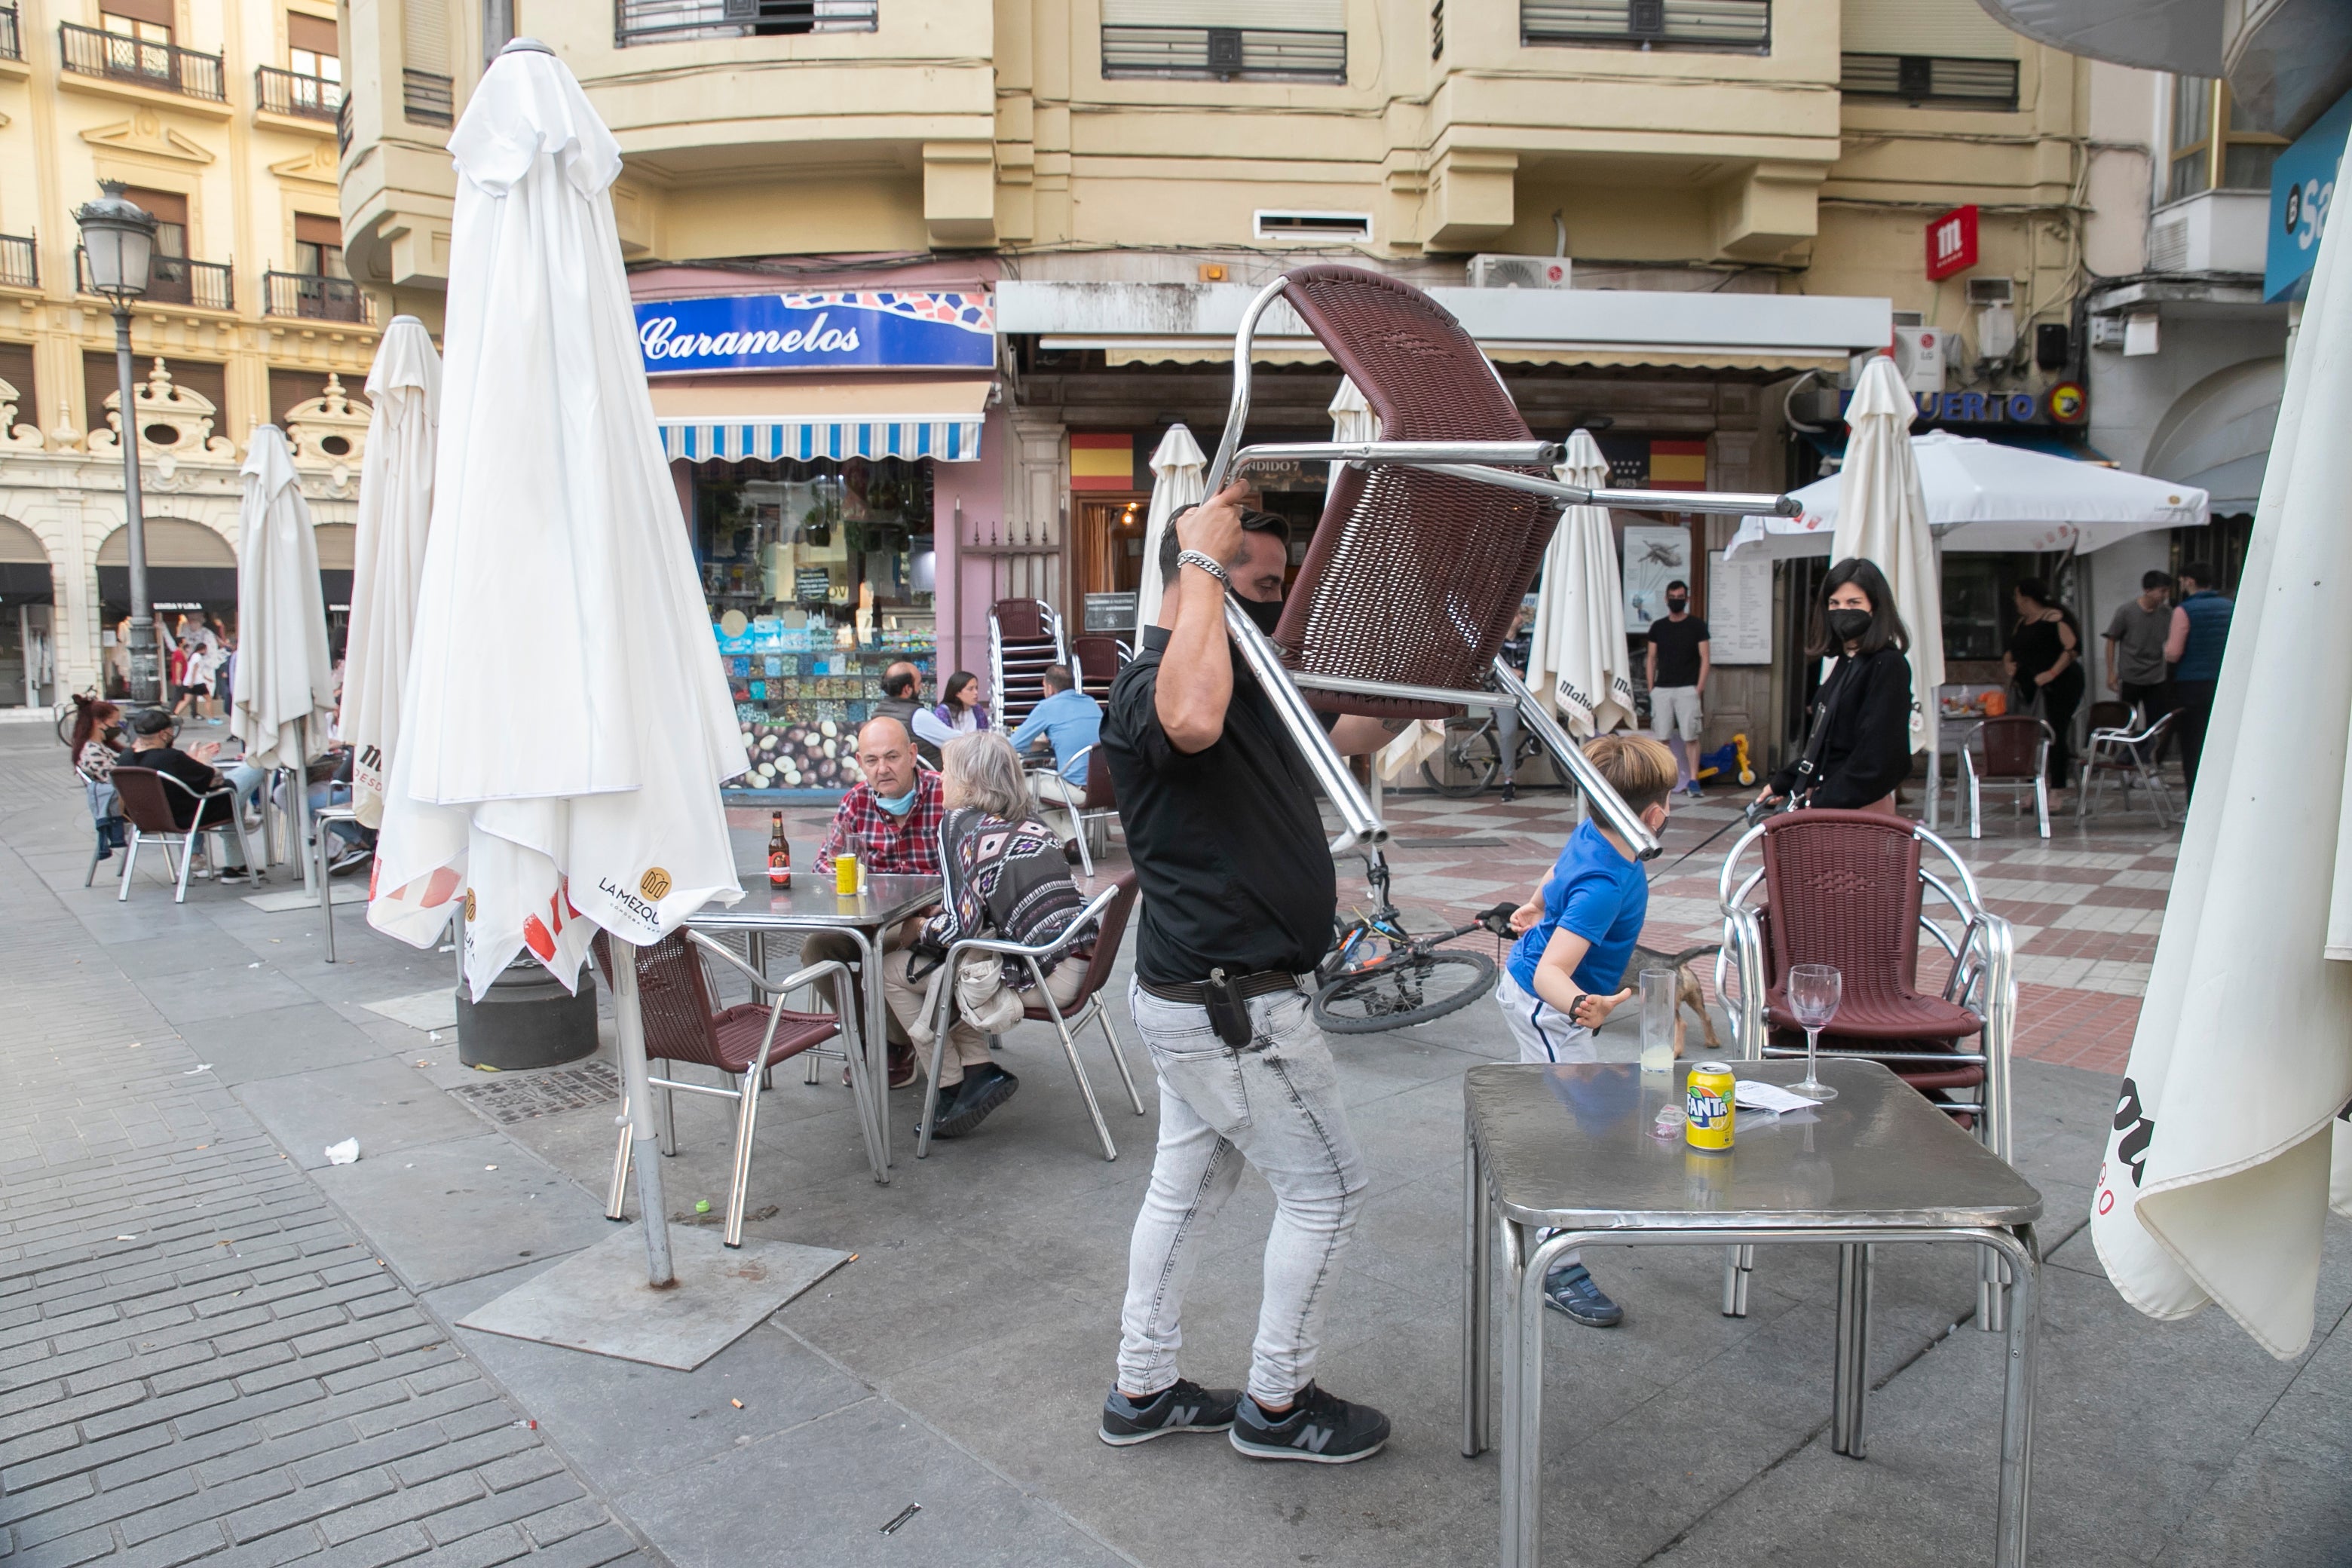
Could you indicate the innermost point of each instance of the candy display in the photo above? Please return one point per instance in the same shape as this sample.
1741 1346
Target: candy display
801 756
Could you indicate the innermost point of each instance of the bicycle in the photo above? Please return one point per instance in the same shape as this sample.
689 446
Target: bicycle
1379 975
1473 756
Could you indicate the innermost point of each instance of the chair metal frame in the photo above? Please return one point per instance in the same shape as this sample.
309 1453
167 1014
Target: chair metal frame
2132 756
1090 1010
320 838
187 845
1482 462
1028 674
1081 814
747 1085
1983 978
1974 782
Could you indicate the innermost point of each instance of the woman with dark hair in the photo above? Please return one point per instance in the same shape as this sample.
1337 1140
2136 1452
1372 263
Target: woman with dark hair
2044 660
961 708
1859 747
96 744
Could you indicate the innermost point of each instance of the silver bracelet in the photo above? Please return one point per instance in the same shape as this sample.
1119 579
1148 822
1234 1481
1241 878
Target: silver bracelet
1208 564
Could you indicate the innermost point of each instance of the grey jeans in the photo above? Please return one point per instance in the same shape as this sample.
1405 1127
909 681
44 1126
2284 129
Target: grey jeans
1274 1104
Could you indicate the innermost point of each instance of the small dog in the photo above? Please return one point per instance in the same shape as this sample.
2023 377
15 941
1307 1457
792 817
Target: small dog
1686 988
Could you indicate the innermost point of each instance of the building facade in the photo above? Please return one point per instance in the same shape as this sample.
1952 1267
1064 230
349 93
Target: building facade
1741 192
219 117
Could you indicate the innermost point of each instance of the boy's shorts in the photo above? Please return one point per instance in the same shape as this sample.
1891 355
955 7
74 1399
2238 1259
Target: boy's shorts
1544 1033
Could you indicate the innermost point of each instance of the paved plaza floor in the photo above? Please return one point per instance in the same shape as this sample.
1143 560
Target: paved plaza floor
216 1346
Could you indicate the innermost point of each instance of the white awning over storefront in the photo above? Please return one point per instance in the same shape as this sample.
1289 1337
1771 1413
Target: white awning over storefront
730 417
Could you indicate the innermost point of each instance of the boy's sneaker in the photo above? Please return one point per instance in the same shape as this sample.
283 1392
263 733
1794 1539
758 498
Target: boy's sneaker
1571 1290
1318 1427
1181 1406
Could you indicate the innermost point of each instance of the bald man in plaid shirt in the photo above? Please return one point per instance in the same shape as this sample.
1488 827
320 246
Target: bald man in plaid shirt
894 815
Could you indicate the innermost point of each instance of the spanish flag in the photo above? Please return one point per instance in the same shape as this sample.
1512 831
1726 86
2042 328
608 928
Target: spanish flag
1100 462
1678 464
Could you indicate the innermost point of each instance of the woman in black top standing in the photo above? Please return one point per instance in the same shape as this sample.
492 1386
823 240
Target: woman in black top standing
2045 661
1860 744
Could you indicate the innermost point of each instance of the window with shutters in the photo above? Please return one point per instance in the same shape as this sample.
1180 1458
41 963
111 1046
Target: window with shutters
1929 54
1720 26
2212 148
1226 40
677 21
318 246
312 47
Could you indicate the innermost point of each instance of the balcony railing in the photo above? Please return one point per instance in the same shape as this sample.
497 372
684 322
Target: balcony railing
318 298
1725 27
174 280
12 41
20 261
426 98
676 21
166 67
292 92
1225 54
1930 80
343 125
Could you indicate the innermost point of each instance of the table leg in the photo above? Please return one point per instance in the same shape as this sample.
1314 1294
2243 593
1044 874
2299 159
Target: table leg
1522 1464
2015 1501
1851 1390
1739 1263
1991 1302
1477 1309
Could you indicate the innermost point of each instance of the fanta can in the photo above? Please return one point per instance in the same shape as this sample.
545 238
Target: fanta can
1707 1104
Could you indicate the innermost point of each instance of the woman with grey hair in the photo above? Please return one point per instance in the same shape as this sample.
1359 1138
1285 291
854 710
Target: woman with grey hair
1007 878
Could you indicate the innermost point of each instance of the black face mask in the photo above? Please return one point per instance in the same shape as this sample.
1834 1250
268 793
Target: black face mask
1266 613
1676 607
1847 626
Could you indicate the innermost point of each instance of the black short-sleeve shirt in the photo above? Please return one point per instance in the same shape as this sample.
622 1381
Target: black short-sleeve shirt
1677 645
201 778
1227 842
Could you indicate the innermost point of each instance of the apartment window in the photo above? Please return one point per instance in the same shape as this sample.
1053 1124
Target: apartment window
1723 26
312 48
1930 80
148 24
1226 40
170 211
1938 54
2212 148
677 21
318 246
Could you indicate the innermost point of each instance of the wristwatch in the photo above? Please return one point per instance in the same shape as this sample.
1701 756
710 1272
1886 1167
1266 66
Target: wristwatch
1206 563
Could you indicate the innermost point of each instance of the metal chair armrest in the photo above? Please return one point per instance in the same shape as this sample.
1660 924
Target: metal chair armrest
1743 954
1089 918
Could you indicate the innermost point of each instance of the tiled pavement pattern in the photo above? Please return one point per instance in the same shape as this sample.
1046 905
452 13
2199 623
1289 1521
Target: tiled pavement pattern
199 1359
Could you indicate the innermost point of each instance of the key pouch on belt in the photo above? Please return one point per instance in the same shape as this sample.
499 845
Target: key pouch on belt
1228 1010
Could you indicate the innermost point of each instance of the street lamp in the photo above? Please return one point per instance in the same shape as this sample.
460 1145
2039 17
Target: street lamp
119 239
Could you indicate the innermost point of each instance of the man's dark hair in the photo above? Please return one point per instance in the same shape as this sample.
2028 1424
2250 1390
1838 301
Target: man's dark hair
152 722
2149 580
1677 583
1885 625
1058 678
898 683
2204 576
1253 522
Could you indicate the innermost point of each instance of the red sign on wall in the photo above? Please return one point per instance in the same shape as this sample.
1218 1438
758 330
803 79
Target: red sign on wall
1951 243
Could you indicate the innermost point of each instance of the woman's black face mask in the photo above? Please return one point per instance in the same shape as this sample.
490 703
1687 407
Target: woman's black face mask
1848 625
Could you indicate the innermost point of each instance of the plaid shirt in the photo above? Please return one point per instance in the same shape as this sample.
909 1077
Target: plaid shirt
894 846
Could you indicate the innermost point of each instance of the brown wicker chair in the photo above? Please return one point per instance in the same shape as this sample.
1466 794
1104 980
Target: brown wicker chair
1024 636
1095 658
683 1023
1099 803
148 799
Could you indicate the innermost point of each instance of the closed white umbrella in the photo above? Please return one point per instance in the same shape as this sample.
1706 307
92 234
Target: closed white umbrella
1352 420
285 683
1982 495
404 389
1351 416
2216 1184
1178 468
565 724
1577 660
1884 520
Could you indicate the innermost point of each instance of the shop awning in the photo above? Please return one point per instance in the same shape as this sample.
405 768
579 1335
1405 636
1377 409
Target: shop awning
728 418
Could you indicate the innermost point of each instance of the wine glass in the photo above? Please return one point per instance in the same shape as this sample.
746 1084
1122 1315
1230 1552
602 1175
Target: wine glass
1813 992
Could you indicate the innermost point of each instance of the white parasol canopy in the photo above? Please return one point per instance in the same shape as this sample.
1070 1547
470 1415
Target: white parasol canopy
1577 660
284 681
1887 524
565 723
1982 495
1351 416
2216 1183
404 388
1178 480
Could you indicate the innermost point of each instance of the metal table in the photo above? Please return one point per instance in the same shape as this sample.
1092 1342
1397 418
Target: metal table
811 904
1568 1149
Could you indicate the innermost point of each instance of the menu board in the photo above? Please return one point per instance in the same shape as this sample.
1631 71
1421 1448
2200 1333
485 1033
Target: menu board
1739 608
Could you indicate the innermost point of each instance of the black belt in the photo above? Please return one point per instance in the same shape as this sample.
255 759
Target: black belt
1264 983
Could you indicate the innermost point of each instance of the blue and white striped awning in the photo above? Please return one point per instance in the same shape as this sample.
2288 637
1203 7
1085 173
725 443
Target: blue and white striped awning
774 418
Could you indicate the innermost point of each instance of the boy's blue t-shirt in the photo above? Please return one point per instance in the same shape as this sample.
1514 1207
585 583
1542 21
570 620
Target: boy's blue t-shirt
1599 895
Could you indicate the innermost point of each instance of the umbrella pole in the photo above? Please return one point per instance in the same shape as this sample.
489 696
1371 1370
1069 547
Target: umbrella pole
302 845
629 1024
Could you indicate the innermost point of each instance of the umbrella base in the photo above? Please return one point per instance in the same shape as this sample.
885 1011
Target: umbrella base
526 1019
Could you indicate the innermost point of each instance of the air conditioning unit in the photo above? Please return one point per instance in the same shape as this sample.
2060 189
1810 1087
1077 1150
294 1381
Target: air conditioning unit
1518 272
1919 357
1985 291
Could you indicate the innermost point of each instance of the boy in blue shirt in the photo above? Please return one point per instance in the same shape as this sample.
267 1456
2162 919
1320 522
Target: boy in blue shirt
1566 971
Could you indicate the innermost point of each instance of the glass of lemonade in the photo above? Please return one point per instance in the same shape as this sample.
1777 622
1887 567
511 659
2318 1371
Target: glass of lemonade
1659 1025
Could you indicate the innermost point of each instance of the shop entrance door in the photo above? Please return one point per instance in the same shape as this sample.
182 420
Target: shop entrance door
1111 543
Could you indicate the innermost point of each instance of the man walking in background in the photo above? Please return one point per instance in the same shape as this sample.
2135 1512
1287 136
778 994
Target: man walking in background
2200 629
2136 637
1678 660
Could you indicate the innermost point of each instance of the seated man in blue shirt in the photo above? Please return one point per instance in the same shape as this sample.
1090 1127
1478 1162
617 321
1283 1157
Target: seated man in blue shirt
1068 722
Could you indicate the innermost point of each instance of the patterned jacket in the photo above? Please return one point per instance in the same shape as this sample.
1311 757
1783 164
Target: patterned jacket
1005 879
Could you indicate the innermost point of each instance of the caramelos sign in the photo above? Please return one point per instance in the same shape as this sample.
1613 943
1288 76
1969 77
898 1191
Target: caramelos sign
864 329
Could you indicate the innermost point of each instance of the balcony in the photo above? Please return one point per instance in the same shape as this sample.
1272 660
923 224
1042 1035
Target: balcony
20 262
312 297
676 21
426 98
1223 54
174 280
11 39
166 67
292 93
1720 26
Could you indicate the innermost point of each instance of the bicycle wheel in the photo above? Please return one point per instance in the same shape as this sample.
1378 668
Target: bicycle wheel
1470 761
1413 989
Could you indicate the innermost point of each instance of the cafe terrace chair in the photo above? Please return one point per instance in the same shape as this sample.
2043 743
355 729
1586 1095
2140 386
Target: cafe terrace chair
2126 752
1106 918
685 1024
1095 658
2009 753
147 797
1849 889
1025 637
1099 803
1429 537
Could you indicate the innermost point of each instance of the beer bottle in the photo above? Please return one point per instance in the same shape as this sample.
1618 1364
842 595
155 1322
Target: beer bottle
780 854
